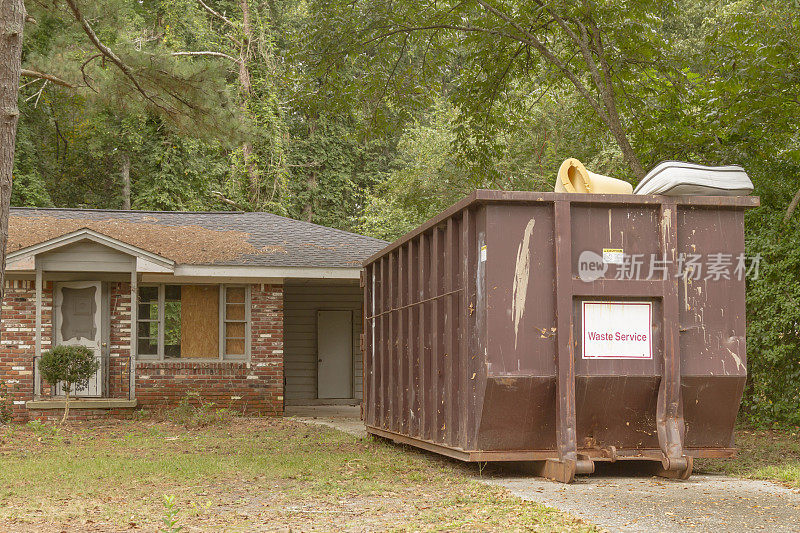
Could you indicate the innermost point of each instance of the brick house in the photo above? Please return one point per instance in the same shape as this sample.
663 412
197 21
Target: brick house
247 310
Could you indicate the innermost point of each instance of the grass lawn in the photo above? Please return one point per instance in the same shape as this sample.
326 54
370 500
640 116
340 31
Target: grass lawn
242 475
762 454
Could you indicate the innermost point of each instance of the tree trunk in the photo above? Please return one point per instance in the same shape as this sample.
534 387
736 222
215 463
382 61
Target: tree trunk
126 181
252 171
66 406
12 23
246 88
311 182
628 153
792 206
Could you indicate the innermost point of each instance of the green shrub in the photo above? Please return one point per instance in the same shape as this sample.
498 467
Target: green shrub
70 366
5 403
194 412
773 323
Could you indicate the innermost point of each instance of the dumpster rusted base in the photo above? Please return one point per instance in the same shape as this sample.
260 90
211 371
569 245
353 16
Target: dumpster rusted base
545 463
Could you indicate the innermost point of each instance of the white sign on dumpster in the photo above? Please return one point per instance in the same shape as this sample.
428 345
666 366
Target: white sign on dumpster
617 330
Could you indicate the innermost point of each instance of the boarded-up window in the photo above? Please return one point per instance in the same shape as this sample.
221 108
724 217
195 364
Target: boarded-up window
187 322
200 321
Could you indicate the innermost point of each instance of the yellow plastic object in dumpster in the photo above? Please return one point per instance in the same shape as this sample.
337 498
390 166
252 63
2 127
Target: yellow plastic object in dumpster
573 177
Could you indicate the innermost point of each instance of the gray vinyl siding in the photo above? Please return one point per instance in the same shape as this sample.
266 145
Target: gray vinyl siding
301 301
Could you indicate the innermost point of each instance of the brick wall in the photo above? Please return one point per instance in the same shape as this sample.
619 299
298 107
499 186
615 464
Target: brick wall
119 354
17 339
254 387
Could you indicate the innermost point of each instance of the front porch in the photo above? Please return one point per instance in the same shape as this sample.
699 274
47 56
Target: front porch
84 283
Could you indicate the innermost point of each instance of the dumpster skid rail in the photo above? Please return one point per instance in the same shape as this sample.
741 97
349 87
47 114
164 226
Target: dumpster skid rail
485 331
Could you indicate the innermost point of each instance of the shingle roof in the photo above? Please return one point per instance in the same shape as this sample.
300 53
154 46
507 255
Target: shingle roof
219 237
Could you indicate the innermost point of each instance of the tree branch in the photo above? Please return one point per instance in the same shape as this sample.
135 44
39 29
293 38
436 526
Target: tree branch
107 52
207 53
220 16
83 71
538 45
222 198
409 29
792 206
49 77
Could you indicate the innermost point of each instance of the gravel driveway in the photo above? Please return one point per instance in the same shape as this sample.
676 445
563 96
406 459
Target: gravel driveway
621 501
620 498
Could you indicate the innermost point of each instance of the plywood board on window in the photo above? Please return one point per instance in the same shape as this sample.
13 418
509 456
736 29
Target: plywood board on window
199 321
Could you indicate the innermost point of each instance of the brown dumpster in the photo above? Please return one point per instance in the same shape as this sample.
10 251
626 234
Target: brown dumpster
561 329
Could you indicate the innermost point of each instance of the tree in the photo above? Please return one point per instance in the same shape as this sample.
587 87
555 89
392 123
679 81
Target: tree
503 44
12 22
70 367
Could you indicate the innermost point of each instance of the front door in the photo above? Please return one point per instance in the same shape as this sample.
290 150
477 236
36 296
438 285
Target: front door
78 322
334 354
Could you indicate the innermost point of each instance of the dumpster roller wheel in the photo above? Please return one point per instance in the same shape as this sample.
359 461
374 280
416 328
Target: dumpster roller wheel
669 469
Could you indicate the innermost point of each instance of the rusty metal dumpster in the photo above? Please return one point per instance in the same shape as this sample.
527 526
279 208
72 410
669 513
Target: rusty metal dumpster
519 326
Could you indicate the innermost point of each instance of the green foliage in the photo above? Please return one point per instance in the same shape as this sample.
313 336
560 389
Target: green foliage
773 334
170 518
44 431
195 412
70 365
6 403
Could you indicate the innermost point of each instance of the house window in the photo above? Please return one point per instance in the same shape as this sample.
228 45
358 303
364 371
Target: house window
193 322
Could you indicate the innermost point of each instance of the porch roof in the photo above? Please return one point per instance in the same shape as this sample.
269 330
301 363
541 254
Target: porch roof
221 238
84 235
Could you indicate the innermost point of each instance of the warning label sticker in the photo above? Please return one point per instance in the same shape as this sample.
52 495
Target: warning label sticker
617 330
613 256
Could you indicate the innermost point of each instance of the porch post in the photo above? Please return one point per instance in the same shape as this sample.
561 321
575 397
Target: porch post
134 318
37 382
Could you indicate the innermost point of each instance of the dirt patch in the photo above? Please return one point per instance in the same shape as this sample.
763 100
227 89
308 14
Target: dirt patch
183 244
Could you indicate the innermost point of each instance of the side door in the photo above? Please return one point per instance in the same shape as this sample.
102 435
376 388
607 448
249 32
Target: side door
334 354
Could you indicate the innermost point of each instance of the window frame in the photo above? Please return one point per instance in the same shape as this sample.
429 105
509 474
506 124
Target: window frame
222 320
159 320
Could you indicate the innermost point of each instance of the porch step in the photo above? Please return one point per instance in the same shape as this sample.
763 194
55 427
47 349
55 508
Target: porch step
83 403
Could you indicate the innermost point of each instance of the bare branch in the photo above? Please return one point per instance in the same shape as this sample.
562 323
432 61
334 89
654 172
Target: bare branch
207 53
220 16
38 96
222 198
83 71
49 77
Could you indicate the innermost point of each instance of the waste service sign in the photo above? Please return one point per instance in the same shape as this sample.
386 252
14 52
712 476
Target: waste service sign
617 330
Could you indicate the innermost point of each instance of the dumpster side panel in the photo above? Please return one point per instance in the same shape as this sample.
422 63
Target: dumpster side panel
521 328
634 229
520 270
424 367
712 318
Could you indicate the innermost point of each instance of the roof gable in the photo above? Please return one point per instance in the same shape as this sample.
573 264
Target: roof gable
86 234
